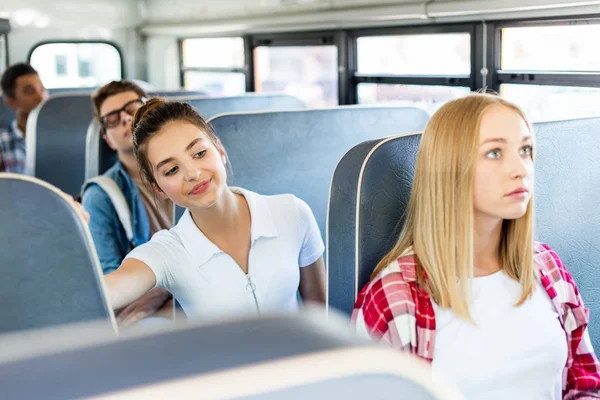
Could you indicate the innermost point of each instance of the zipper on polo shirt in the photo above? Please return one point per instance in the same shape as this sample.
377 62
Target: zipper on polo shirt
251 287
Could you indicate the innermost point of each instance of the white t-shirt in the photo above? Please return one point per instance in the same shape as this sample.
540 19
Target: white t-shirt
209 284
516 353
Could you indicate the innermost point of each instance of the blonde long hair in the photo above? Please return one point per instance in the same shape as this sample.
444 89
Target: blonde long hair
439 225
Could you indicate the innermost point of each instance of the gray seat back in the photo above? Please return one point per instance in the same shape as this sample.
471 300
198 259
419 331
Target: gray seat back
56 137
176 93
209 107
371 188
297 151
50 271
266 357
100 157
7 114
567 194
369 195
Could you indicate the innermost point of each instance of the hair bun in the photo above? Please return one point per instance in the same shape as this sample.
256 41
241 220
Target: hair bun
144 110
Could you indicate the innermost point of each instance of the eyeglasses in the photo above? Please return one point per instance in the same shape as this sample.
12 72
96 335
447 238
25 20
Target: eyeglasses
113 118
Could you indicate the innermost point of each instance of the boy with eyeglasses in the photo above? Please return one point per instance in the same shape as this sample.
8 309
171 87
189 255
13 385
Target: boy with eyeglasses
22 90
114 106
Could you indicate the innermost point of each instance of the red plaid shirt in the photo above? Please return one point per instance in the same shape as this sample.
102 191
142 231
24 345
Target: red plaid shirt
395 311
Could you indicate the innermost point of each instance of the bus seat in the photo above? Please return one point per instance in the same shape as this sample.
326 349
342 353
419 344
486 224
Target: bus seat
369 193
567 191
56 136
289 356
100 157
176 93
209 107
371 187
7 114
297 151
50 271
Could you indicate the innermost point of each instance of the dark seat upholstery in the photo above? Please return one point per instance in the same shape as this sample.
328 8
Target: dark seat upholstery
369 195
56 135
7 114
50 271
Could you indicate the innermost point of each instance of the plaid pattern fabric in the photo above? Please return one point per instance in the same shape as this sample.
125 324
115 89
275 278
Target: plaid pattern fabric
395 311
12 151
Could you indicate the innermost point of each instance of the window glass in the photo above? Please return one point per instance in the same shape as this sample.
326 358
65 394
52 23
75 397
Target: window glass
309 73
551 48
553 103
72 65
215 83
61 65
447 54
213 53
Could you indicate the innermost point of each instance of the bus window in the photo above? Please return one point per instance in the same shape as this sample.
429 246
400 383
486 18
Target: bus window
548 70
75 65
413 69
447 54
215 83
214 65
551 48
309 73
553 103
3 58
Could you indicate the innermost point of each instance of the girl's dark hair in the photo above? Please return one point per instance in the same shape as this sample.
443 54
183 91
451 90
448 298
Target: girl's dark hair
151 118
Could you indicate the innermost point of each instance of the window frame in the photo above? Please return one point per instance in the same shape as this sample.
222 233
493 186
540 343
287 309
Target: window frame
486 47
337 38
354 78
246 69
550 78
4 31
83 41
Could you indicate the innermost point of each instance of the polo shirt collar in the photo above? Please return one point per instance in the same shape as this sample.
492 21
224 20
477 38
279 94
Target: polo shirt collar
202 249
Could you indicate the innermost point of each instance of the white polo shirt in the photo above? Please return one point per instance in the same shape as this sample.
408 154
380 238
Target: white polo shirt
209 284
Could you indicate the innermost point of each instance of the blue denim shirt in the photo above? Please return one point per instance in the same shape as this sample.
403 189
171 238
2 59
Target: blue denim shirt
108 234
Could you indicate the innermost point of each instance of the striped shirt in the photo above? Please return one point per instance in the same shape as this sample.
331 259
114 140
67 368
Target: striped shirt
396 311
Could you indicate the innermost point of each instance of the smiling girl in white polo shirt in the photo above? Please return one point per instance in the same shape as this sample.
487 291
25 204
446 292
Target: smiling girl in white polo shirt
233 252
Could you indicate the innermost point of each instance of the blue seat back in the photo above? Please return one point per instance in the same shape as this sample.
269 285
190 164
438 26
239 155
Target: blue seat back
7 114
56 136
297 151
369 195
567 194
50 271
209 107
284 357
127 362
176 93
